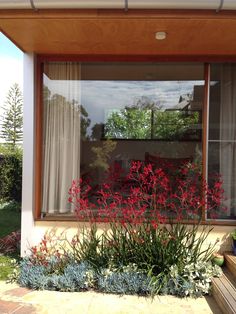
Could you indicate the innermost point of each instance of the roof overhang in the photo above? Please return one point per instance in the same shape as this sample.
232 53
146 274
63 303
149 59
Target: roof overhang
119 32
216 5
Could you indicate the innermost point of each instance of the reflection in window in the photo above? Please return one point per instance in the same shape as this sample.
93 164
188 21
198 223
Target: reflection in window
99 115
138 123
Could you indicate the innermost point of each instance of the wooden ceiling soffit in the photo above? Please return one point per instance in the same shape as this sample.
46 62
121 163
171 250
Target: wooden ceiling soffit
115 32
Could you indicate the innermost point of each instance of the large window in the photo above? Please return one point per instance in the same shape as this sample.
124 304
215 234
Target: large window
99 115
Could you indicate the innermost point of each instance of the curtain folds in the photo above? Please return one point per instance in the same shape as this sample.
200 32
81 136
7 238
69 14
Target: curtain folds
228 135
61 138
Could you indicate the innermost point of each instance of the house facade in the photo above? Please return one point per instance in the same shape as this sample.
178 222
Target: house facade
107 83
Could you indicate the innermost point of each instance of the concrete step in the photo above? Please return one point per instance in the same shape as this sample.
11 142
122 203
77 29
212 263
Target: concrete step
224 292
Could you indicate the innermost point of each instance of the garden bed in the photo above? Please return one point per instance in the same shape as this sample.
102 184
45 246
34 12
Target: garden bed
170 261
145 249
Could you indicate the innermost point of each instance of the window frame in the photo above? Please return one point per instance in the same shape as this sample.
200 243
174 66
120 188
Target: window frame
40 59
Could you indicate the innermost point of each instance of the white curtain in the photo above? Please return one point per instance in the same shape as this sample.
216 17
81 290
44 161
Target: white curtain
61 135
228 135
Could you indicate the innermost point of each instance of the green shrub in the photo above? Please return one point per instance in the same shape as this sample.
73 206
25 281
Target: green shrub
10 206
10 218
10 173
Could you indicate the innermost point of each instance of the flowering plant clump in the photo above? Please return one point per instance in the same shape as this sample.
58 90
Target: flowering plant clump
145 211
50 251
145 248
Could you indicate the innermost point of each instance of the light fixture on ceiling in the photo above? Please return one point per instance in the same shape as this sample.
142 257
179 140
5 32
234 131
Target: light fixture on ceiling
160 35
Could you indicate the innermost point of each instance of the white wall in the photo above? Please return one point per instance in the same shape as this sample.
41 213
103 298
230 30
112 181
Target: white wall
220 235
27 221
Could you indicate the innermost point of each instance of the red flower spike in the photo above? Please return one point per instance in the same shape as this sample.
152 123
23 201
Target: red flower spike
148 194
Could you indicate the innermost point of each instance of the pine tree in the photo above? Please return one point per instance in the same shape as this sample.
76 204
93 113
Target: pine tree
12 121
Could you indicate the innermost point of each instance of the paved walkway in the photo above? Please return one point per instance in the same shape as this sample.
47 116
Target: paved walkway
16 300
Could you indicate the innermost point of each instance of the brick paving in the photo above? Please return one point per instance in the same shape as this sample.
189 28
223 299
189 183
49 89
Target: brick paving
17 300
17 292
8 306
11 300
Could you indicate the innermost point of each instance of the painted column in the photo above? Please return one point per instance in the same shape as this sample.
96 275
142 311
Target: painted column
27 221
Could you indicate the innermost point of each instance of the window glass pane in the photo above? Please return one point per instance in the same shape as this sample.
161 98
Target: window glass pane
140 112
222 133
146 112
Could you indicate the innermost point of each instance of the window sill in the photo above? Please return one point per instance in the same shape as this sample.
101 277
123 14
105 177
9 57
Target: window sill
62 217
74 218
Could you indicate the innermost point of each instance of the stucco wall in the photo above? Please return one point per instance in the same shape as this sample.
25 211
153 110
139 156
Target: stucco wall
27 222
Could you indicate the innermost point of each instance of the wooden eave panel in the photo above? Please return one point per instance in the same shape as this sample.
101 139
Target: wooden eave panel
101 32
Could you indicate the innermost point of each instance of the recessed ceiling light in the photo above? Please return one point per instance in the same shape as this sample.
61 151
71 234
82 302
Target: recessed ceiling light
160 35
